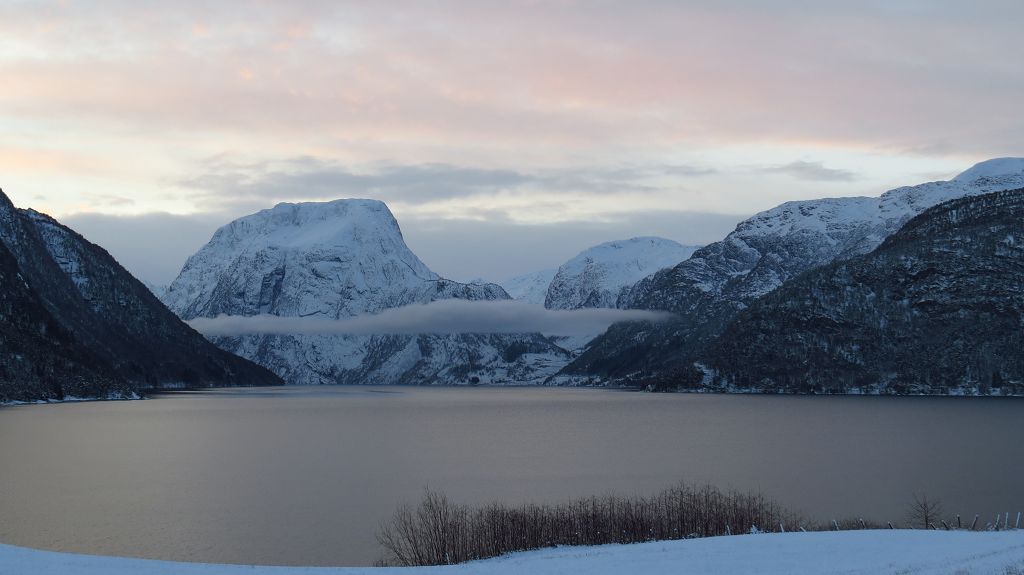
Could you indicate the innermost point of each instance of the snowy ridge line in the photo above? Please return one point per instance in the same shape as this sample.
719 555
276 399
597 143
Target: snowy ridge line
911 552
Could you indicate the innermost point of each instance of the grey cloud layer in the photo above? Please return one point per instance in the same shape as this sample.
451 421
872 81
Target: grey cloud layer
441 317
231 183
814 171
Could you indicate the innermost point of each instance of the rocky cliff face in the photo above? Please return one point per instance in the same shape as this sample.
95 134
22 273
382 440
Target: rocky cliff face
337 260
721 279
937 308
108 334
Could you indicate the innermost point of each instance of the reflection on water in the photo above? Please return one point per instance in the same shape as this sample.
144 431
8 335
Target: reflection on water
304 476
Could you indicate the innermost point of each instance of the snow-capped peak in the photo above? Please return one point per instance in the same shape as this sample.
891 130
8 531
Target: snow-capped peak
337 258
994 168
598 275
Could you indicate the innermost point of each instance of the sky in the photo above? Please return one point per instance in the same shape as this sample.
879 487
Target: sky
505 136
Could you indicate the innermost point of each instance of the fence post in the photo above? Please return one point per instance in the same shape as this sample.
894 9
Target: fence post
958 524
835 524
1017 525
975 524
890 525
945 525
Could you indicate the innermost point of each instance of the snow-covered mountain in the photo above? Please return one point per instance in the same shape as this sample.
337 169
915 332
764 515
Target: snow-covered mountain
765 251
531 287
600 275
337 260
935 309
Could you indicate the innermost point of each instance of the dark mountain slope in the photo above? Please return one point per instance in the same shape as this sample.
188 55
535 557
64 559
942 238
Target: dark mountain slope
38 358
938 307
107 318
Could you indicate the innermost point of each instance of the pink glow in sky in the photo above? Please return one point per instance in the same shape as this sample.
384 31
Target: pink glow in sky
528 113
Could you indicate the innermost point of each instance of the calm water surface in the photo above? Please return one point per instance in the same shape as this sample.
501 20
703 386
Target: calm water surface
303 476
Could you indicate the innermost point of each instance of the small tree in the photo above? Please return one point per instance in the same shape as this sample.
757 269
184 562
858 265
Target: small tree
925 512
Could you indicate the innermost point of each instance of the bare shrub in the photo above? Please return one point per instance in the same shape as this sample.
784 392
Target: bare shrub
439 532
924 512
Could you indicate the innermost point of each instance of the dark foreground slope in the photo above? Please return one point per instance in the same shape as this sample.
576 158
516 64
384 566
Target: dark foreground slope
38 358
937 308
77 323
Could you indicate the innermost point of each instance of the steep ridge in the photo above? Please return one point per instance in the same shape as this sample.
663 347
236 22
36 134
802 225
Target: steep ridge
937 308
102 319
721 279
337 260
40 360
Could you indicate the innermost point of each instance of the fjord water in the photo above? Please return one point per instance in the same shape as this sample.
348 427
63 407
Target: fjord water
304 476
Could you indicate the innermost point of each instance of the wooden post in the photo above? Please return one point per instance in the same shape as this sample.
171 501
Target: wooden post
945 525
958 524
835 524
862 526
975 524
890 525
1017 525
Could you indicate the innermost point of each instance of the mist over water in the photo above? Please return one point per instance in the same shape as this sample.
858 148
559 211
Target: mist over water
304 476
449 316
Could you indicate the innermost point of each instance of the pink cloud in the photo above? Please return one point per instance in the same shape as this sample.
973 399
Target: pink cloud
521 73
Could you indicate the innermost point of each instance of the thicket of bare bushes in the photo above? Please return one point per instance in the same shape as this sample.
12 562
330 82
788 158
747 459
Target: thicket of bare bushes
439 532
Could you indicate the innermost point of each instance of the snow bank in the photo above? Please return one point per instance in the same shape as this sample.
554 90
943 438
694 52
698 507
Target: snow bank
849 553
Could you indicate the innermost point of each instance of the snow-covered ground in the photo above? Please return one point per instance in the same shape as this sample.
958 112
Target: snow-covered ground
848 553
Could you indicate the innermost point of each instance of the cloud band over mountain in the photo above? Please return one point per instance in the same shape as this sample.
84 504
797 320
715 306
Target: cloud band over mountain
442 317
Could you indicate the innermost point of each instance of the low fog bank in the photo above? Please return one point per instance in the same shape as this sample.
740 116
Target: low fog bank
451 316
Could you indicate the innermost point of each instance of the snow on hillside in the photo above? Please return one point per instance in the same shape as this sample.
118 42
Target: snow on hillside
773 246
338 259
599 275
910 552
531 287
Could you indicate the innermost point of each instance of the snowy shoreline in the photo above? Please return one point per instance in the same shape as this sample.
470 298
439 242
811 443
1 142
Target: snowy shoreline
910 552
